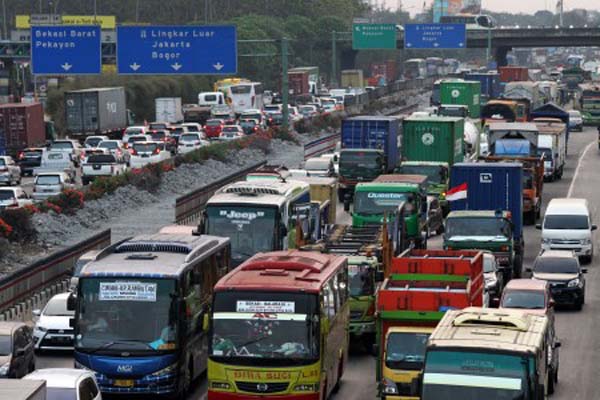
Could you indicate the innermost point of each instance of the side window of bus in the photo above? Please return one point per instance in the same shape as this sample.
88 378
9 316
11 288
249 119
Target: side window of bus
329 301
342 285
336 291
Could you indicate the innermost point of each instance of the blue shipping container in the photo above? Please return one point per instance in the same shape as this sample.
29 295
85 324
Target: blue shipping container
373 133
491 186
490 83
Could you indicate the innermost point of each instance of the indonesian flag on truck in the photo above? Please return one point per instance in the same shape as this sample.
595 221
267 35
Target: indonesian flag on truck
457 192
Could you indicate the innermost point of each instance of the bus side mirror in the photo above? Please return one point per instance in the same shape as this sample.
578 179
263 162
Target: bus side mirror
283 230
71 302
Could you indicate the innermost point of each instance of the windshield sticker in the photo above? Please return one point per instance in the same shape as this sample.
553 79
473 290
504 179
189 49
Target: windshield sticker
127 291
237 217
250 306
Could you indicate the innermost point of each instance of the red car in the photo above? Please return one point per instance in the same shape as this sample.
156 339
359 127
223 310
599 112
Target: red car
213 128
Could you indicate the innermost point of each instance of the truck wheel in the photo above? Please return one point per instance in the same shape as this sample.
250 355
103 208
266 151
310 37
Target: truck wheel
529 218
517 267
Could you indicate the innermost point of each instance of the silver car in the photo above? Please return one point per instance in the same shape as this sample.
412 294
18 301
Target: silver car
10 172
48 184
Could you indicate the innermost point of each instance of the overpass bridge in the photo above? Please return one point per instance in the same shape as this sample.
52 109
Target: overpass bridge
505 39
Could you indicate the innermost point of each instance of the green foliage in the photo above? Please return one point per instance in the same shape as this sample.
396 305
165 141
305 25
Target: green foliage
19 220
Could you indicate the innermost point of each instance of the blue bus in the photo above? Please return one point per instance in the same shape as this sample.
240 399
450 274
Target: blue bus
141 311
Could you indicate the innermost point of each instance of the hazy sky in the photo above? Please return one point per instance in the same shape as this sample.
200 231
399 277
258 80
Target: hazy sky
525 6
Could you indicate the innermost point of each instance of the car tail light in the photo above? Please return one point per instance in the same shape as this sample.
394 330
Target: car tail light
133 152
156 151
21 155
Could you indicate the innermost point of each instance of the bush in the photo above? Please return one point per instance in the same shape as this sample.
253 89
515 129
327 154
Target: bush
47 206
69 201
20 224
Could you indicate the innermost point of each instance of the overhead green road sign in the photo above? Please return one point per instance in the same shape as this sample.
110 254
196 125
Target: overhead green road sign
373 36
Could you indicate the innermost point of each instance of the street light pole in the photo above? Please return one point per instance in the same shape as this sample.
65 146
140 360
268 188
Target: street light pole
488 51
285 91
333 80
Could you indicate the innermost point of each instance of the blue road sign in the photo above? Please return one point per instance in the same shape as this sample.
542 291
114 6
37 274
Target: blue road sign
435 36
177 50
66 50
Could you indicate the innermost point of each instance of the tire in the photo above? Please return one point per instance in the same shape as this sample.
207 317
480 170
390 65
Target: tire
517 271
529 218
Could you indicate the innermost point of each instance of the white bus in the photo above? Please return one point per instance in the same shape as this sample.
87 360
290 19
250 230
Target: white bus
244 96
257 216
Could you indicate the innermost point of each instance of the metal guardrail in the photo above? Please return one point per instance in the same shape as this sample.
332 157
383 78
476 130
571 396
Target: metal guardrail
46 272
189 206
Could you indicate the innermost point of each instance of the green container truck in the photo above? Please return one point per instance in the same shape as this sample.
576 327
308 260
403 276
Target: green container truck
464 93
433 138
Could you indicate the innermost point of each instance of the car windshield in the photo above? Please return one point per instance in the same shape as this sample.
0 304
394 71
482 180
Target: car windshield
558 265
145 147
434 173
360 278
493 227
566 222
265 328
7 195
189 137
5 345
251 229
47 180
488 264
457 374
247 123
93 142
58 393
57 308
61 146
240 89
406 351
317 165
113 314
376 203
527 299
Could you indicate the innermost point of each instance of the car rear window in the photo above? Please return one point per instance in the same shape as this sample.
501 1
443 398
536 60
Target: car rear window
210 97
158 135
230 129
193 128
145 147
133 131
61 145
137 139
33 153
213 122
188 137
7 194
47 180
101 159
108 145
526 299
158 126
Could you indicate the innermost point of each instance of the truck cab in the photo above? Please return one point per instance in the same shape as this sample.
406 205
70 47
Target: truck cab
384 195
358 165
484 230
438 176
364 279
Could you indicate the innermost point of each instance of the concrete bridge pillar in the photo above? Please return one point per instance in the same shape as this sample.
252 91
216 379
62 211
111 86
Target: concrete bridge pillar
501 55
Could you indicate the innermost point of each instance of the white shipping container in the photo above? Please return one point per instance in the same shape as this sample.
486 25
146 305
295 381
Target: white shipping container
168 109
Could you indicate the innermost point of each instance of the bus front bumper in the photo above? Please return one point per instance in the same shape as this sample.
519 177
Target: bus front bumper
215 395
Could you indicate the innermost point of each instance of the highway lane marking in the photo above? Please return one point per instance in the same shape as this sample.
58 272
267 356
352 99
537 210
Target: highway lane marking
579 162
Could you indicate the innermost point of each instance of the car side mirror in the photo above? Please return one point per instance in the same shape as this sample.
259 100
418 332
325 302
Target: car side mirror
37 312
539 226
584 270
594 227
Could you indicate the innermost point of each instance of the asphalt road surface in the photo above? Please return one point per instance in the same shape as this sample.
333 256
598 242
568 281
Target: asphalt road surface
578 331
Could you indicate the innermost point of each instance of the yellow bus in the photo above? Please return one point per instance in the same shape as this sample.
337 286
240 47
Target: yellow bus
223 84
279 328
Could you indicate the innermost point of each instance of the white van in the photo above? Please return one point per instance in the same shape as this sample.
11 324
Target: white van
211 99
567 225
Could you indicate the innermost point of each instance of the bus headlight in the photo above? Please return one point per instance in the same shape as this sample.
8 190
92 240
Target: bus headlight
220 385
306 387
389 387
168 370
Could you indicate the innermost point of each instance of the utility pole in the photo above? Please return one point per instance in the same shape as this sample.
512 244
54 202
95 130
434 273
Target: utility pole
285 91
4 28
561 9
333 80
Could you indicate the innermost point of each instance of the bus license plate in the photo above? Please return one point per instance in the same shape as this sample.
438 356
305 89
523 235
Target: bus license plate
124 382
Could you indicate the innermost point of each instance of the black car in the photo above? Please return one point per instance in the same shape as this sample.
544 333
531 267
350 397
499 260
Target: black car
17 357
29 159
275 119
561 269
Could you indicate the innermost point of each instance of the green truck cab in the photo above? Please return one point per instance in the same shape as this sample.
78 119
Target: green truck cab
484 230
438 176
383 196
365 274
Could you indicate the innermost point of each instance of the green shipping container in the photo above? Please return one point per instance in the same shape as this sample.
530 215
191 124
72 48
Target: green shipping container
433 139
465 93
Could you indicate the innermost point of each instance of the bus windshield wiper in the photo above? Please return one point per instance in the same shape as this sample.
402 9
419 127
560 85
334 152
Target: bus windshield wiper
110 344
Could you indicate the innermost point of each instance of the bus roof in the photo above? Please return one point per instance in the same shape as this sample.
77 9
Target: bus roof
496 330
158 255
267 192
283 271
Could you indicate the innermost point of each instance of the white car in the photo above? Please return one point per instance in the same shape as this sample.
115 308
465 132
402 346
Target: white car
10 172
13 197
190 142
92 141
68 146
52 330
295 116
129 140
134 130
231 132
193 127
67 383
143 153
116 148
